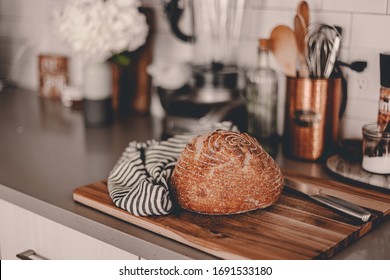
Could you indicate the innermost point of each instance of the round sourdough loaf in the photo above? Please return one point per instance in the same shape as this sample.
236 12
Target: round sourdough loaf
225 172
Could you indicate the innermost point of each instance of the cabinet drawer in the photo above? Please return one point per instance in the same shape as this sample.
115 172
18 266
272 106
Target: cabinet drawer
22 230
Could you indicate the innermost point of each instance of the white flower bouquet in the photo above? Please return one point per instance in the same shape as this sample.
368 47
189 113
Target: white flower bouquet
102 29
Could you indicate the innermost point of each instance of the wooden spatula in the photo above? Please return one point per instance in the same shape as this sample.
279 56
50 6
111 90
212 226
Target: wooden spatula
303 11
300 31
284 48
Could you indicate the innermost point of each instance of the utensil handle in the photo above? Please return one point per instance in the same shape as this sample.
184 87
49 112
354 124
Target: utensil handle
343 206
332 58
174 11
29 255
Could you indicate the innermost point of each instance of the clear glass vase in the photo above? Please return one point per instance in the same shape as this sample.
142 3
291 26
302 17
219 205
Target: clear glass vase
261 94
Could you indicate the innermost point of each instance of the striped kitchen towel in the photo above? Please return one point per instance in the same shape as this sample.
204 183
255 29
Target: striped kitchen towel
139 182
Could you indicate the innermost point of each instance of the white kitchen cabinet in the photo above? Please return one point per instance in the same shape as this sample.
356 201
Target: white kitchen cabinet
22 230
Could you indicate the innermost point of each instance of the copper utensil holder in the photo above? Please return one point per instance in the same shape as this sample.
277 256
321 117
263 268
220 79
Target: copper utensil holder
311 127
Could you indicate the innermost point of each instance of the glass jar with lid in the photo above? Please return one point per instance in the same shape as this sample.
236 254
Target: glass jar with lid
376 149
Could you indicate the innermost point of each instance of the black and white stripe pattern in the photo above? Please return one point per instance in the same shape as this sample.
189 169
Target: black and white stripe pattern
139 182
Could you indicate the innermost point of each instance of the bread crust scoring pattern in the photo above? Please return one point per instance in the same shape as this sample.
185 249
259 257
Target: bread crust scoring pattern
225 172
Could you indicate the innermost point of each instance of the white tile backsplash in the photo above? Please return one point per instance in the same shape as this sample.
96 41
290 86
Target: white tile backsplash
247 56
10 7
358 6
11 27
40 8
289 4
169 48
25 32
352 128
161 19
259 23
355 107
283 4
370 31
315 4
365 85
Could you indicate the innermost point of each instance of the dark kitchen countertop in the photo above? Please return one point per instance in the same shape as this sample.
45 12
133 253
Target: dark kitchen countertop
46 152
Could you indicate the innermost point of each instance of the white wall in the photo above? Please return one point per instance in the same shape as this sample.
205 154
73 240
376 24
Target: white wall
25 32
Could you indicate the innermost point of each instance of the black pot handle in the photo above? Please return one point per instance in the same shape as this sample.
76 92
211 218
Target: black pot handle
174 10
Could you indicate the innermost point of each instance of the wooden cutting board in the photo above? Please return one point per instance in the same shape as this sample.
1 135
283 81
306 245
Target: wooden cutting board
294 228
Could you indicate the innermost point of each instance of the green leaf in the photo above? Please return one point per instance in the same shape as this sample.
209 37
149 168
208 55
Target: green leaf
122 59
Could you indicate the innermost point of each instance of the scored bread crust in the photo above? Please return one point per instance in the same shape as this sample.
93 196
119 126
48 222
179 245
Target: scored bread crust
225 172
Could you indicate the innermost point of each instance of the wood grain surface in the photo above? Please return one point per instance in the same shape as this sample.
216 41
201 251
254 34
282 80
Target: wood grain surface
294 228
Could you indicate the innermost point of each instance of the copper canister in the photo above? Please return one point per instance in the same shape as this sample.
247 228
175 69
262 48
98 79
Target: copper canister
53 75
311 127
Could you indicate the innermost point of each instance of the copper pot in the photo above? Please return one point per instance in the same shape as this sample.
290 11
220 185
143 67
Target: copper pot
311 128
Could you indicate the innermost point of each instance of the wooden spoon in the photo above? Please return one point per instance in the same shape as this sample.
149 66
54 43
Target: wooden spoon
300 30
303 11
284 48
